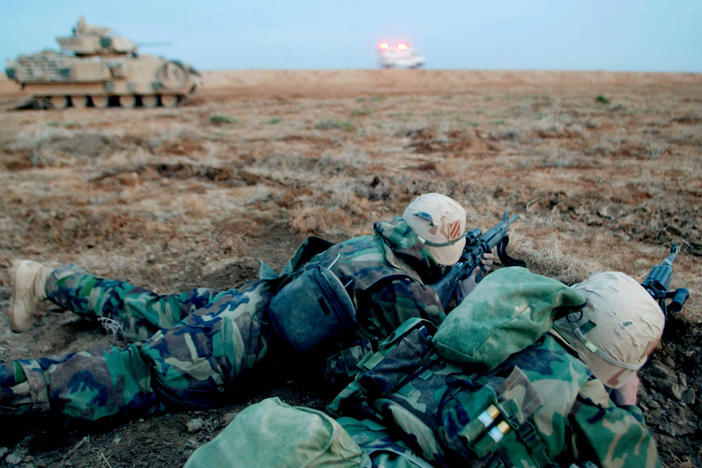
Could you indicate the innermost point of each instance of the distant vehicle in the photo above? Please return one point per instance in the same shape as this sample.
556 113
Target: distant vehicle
399 55
96 67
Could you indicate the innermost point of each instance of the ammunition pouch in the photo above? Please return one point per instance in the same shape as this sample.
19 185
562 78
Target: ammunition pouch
491 415
312 309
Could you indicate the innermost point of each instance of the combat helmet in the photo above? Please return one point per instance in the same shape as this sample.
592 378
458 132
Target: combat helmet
617 329
440 224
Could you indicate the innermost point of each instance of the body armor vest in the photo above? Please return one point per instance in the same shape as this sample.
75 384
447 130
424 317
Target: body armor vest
514 415
319 299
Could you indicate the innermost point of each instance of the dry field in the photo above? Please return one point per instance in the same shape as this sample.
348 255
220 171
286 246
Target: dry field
602 168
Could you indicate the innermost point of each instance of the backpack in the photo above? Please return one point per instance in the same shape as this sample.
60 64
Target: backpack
272 433
506 312
512 415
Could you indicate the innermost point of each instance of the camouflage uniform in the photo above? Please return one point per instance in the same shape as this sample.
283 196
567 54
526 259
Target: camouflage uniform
196 344
552 410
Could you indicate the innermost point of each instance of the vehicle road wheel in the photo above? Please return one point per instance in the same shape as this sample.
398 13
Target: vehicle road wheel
100 102
169 100
44 102
149 101
58 102
79 102
128 101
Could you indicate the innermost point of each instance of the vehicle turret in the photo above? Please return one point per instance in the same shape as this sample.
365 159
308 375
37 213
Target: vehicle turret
95 40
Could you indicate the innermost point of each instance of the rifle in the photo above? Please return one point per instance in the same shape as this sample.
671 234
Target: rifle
657 283
477 244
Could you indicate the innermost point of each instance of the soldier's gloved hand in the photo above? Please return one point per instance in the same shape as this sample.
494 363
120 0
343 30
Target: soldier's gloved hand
626 394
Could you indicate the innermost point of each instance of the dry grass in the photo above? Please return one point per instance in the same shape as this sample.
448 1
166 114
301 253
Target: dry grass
170 199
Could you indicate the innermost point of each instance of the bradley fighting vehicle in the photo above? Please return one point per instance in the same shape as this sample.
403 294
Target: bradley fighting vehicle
96 67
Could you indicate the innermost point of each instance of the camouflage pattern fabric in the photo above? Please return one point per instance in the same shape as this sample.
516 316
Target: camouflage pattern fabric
136 313
388 276
195 345
193 363
544 402
380 447
506 312
341 366
272 433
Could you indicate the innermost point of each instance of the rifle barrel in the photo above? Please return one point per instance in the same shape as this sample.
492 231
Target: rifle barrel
674 251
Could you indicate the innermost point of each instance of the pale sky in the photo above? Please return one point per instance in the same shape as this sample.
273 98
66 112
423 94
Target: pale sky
643 35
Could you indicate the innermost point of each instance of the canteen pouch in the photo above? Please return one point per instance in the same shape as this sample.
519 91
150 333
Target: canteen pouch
311 309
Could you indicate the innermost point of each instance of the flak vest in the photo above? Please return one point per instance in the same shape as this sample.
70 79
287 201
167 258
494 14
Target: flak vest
321 292
363 263
512 416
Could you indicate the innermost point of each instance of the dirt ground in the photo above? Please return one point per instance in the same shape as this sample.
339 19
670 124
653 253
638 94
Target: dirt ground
602 168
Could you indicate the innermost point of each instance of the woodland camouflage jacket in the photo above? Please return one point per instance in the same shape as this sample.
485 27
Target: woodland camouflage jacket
543 401
387 276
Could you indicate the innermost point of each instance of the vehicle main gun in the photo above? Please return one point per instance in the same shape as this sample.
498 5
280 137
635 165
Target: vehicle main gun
477 244
657 283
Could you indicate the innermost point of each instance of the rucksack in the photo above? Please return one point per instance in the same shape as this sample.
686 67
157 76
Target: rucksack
453 416
272 433
507 311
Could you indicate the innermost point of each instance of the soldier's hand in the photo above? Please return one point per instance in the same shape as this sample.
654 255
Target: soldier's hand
467 285
626 394
487 262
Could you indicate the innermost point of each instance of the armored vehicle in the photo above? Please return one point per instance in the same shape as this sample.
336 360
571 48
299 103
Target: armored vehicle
399 55
97 68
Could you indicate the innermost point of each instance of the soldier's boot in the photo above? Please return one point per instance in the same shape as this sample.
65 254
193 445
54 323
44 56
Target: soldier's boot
28 287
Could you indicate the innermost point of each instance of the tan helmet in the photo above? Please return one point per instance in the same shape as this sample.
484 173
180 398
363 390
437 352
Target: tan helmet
440 223
618 328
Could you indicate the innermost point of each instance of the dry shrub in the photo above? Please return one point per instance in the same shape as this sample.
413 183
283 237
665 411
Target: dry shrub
339 214
453 168
124 160
310 220
180 145
18 161
556 157
553 127
192 205
552 258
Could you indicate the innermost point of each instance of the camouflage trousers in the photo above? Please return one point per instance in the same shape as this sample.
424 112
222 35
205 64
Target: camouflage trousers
188 349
